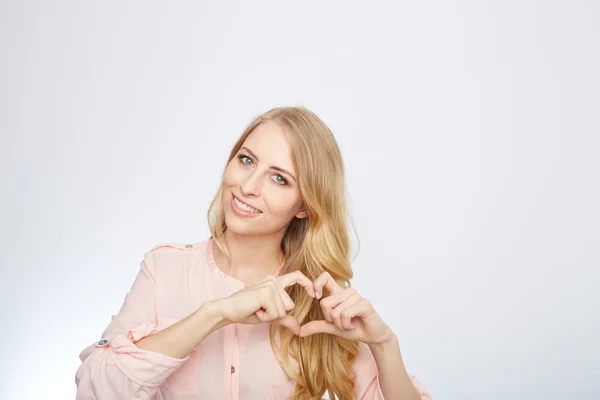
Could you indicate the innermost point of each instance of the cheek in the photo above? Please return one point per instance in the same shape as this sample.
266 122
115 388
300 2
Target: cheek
282 202
232 176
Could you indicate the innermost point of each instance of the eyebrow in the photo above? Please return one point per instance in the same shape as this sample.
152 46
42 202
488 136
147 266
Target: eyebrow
272 166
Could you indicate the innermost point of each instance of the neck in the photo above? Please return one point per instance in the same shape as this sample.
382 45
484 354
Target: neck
251 257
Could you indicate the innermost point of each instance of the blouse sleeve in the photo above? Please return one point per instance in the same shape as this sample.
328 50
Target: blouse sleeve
367 380
114 367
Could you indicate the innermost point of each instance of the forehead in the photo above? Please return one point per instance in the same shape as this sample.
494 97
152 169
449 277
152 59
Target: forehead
269 142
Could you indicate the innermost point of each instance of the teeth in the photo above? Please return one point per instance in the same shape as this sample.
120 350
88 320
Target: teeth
244 206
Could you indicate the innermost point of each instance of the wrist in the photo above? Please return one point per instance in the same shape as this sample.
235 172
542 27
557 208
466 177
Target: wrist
210 317
389 343
199 324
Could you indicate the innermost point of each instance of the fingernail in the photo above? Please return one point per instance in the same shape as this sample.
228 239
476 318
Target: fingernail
318 295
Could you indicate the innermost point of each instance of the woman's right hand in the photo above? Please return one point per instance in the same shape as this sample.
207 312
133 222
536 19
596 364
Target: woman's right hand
265 302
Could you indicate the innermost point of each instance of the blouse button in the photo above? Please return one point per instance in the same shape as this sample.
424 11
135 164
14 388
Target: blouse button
232 369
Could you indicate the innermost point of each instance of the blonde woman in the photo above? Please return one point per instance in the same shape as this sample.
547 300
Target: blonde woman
263 309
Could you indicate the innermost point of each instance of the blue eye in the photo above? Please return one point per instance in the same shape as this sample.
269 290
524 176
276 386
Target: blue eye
245 159
280 180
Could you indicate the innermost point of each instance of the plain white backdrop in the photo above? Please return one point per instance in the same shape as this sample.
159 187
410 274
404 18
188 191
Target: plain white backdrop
470 131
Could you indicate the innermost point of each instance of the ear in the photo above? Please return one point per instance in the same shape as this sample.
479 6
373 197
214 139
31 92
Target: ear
302 214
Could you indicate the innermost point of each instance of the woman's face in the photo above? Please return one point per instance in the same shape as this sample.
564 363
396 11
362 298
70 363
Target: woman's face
260 192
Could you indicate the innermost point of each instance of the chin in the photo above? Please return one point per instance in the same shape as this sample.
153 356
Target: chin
235 226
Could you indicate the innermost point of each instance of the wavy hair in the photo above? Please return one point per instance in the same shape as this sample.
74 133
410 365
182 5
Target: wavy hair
320 363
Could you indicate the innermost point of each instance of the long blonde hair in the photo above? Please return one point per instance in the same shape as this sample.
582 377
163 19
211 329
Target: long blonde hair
317 243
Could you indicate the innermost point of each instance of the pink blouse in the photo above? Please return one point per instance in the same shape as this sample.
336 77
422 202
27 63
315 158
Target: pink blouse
235 362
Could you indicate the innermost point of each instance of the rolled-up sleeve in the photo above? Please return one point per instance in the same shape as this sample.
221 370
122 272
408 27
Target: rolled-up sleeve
114 367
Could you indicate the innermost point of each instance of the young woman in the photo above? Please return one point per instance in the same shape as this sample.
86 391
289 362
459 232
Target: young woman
263 309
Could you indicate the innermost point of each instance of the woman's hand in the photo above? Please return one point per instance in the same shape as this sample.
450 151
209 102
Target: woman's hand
266 301
347 314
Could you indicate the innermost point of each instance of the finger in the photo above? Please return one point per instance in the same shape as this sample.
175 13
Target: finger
340 316
277 297
314 327
346 314
289 322
288 303
297 278
336 313
338 298
270 304
325 280
360 309
346 321
330 302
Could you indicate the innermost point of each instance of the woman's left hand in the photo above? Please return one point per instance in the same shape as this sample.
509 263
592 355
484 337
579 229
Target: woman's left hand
347 314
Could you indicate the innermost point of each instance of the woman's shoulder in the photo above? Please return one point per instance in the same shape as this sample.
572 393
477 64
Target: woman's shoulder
175 252
174 247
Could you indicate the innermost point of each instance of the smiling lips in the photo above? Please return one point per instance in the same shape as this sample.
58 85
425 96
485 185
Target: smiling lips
243 209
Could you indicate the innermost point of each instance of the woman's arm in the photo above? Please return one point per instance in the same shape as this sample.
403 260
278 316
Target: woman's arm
393 378
349 315
181 338
135 356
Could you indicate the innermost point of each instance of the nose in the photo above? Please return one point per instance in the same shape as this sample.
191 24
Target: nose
251 186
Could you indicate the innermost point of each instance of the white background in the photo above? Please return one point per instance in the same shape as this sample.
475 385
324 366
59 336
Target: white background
470 131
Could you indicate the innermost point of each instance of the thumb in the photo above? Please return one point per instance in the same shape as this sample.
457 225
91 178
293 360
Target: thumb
314 327
289 322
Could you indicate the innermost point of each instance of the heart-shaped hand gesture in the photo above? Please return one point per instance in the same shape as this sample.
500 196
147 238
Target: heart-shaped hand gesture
265 302
347 314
